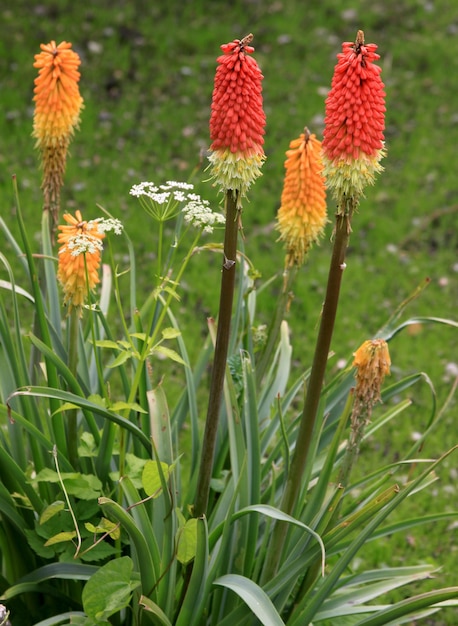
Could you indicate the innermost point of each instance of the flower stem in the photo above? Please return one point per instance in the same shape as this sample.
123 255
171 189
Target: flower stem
280 312
306 427
221 350
72 426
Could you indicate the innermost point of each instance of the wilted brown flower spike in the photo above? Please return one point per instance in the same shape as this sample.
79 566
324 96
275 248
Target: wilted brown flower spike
372 362
57 113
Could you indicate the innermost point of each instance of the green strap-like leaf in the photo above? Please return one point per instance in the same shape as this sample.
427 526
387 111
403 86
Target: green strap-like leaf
257 599
66 396
411 606
154 612
145 561
192 604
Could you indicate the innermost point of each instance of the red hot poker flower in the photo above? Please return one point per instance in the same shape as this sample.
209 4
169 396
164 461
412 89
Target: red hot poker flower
80 255
57 113
353 140
302 214
237 118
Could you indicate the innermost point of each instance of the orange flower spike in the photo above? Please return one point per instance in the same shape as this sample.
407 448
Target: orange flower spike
57 99
302 214
79 255
58 104
237 118
353 139
79 258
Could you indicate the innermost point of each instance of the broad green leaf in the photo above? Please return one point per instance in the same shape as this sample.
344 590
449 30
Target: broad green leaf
107 343
87 446
171 291
151 478
66 406
130 406
141 336
133 469
169 353
37 544
84 486
181 520
51 476
187 541
97 399
51 510
104 526
110 589
255 597
120 359
170 333
61 538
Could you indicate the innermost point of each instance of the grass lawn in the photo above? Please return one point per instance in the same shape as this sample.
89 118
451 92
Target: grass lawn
147 79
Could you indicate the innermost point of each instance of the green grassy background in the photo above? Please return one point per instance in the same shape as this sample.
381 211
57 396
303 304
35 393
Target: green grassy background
147 78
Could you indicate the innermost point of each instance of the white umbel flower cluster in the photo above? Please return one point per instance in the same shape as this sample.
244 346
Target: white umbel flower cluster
83 241
164 202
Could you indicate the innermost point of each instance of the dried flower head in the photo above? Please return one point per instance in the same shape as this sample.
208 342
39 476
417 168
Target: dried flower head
79 255
372 360
57 113
302 214
237 119
353 140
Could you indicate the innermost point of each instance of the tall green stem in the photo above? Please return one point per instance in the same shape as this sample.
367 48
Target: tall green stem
312 399
282 307
72 426
221 349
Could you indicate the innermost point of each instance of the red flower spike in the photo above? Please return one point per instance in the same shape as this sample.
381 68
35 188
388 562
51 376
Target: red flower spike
353 140
237 118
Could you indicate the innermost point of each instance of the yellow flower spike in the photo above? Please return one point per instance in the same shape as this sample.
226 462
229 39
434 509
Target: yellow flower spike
58 104
302 214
